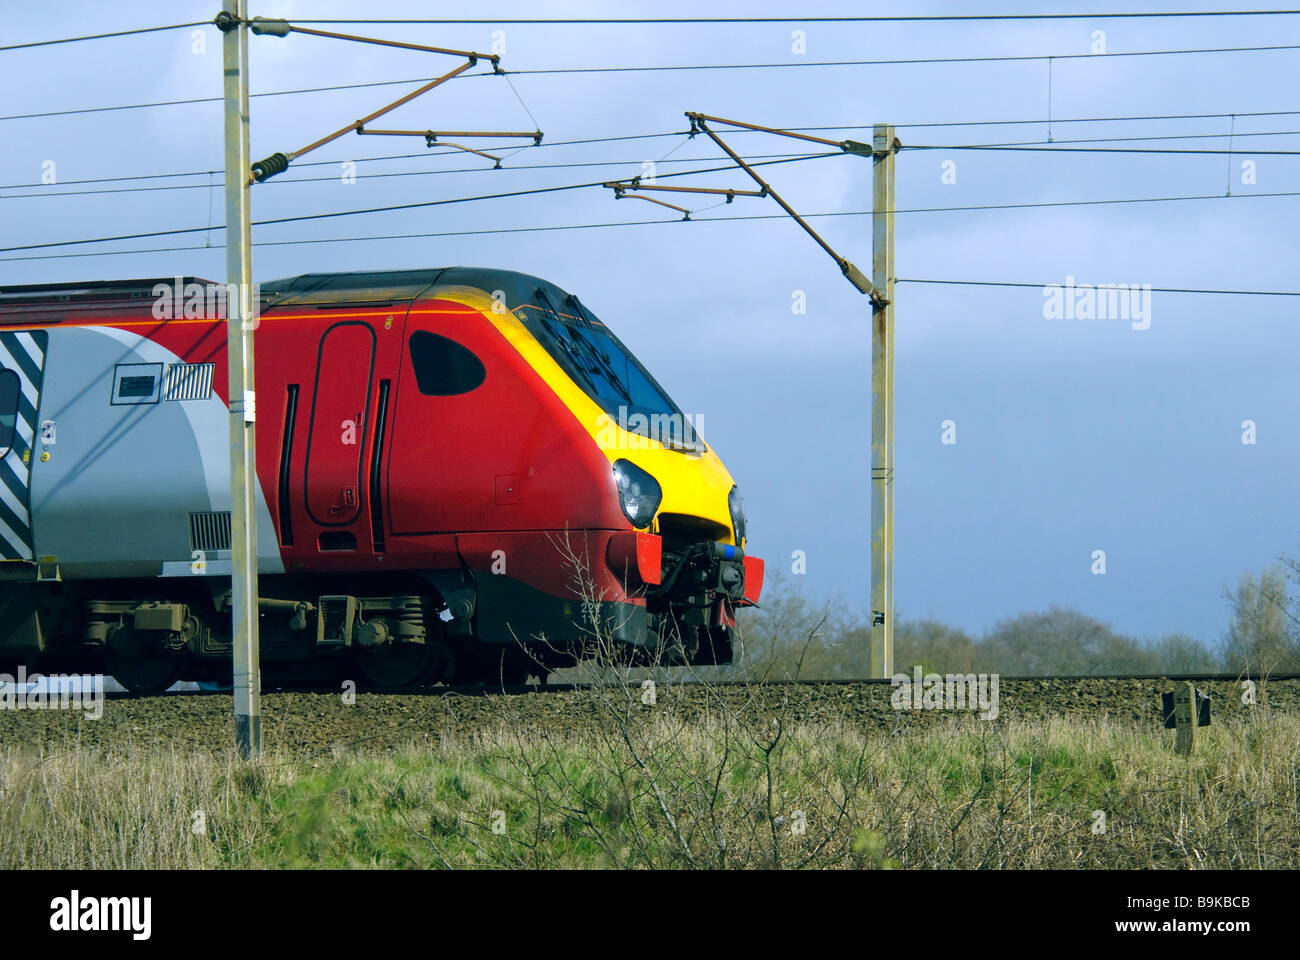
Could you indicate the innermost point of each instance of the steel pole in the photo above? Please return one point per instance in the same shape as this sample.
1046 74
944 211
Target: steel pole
881 662
241 313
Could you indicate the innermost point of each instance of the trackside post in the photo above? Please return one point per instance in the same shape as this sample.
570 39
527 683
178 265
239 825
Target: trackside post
241 314
884 147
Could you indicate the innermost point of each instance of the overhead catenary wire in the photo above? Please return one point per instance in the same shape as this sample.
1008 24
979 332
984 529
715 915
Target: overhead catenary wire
104 36
1057 120
42 192
266 93
334 163
540 190
333 178
912 18
683 133
692 21
541 71
652 68
1144 287
1136 139
393 207
1124 150
1008 146
637 223
1092 203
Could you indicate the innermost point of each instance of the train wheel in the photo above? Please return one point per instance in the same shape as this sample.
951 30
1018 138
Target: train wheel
394 665
151 673
511 668
139 665
482 666
442 663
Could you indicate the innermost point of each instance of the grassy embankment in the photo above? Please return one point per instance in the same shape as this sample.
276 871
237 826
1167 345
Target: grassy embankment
646 789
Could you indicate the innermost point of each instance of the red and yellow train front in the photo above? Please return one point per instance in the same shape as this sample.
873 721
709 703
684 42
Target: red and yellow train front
508 448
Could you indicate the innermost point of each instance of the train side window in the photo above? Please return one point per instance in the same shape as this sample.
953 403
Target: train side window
8 408
443 368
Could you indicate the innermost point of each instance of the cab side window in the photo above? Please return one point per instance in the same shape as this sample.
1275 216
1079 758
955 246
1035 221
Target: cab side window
443 368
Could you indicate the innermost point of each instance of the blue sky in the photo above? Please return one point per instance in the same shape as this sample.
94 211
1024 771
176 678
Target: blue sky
1072 435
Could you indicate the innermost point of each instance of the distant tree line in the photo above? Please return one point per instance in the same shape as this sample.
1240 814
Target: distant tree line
791 636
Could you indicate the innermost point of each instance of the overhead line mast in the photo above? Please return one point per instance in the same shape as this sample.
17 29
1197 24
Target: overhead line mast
247 682
242 309
880 288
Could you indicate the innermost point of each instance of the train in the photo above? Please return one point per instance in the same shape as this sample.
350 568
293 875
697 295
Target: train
463 476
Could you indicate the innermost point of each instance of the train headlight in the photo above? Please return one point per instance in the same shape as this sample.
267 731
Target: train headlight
737 508
639 494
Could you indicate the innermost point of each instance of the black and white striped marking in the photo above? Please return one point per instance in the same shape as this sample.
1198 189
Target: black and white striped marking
23 352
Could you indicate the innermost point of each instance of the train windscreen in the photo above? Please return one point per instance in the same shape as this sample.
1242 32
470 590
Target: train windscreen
606 370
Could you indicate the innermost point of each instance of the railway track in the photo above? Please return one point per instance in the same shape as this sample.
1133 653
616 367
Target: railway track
561 686
296 720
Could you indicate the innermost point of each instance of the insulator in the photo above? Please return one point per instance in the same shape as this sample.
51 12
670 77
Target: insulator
265 169
264 26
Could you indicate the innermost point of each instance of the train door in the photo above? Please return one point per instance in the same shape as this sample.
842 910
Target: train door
446 434
338 432
22 366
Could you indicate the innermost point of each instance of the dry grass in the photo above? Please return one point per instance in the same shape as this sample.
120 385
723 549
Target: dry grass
647 789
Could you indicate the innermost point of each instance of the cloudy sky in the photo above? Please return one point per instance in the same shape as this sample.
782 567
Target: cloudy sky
1072 435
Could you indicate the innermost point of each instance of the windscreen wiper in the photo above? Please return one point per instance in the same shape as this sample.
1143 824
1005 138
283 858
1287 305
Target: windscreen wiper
554 326
598 361
599 352
582 354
